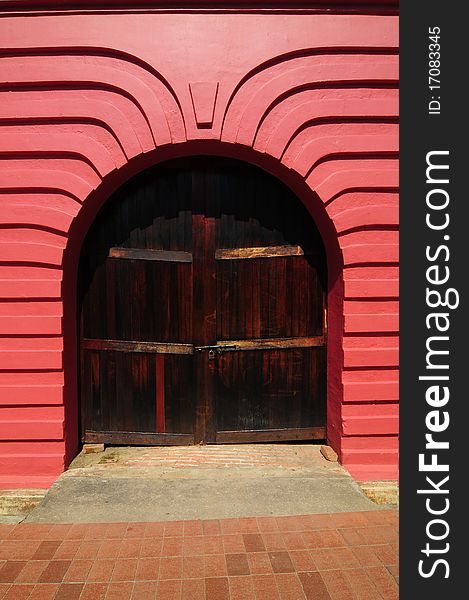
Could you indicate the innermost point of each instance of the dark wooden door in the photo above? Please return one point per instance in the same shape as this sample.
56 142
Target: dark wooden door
203 310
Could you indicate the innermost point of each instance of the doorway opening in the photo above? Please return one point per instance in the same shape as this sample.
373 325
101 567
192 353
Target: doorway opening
202 309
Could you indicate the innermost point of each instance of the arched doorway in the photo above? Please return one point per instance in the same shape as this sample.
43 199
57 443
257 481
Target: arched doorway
202 310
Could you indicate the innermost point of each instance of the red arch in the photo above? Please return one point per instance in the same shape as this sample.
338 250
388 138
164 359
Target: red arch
294 181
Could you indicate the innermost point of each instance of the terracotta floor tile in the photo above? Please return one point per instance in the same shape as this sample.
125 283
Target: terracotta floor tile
193 528
267 524
144 590
151 547
281 562
253 542
5 530
147 569
88 549
214 565
318 522
294 541
193 546
387 554
173 528
78 571
338 585
18 550
31 531
384 582
233 543
110 548
302 560
335 558
168 590
291 523
376 517
274 541
213 544
229 526
170 567
237 564
394 570
193 566
97 531
19 591
361 584
172 546
154 530
351 536
350 519
265 587
101 571
67 550
121 590
314 587
136 530
211 527
289 586
378 534
69 591
259 563
32 571
241 588
193 589
345 558
130 548
366 556
324 559
55 571
45 591
77 531
216 588
94 591
116 530
124 569
46 550
330 539
248 525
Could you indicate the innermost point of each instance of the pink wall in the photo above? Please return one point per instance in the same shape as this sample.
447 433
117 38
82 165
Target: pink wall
87 100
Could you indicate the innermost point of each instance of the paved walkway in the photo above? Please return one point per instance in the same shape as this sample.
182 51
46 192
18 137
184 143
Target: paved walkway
313 557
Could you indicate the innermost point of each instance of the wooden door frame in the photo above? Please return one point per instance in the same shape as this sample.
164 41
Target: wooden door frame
210 148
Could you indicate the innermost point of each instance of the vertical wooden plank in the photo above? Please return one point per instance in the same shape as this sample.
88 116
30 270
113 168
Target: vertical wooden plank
160 402
204 298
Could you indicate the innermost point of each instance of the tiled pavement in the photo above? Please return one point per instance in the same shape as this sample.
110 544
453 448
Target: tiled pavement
314 557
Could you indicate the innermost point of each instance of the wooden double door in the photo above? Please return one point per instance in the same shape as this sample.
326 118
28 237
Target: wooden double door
202 310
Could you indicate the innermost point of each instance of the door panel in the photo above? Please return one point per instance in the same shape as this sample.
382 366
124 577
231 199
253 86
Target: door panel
145 300
269 298
203 310
275 389
136 321
128 382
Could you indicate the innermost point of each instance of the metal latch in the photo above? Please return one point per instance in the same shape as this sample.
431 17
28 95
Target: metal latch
214 350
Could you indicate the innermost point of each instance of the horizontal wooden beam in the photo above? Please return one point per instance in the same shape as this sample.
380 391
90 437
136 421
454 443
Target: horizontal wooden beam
258 252
274 343
129 346
270 435
156 255
171 348
138 438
